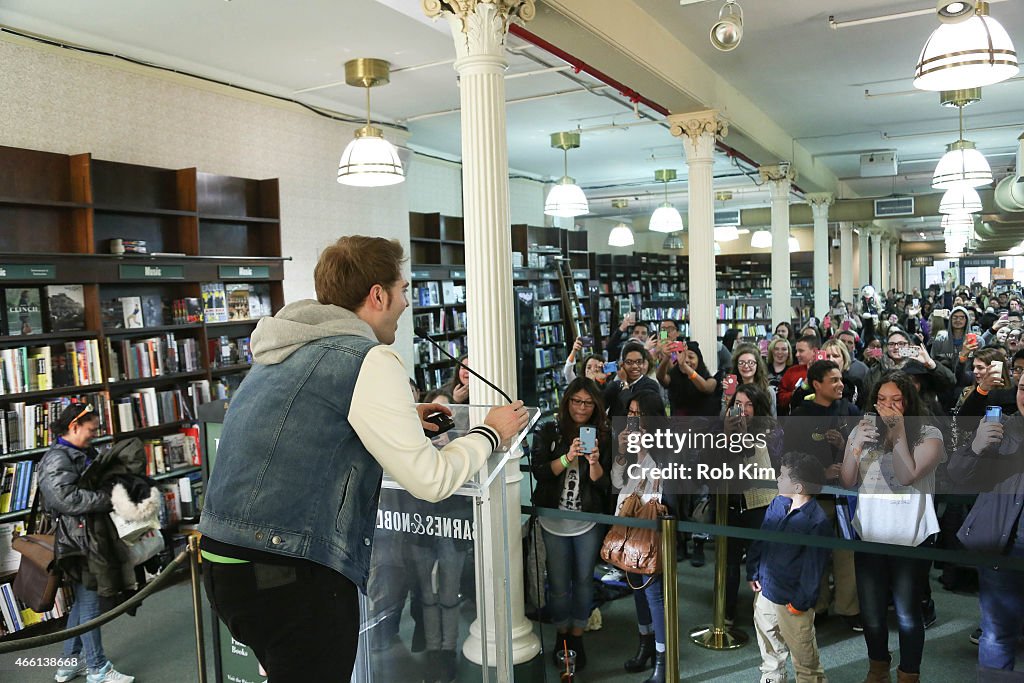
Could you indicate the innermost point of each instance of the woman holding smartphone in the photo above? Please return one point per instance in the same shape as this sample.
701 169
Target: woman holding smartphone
892 459
691 387
750 369
571 461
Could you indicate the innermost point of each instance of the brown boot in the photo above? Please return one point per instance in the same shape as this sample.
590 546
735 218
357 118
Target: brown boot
903 677
879 672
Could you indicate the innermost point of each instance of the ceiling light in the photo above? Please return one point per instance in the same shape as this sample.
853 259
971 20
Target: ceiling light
960 199
620 236
672 242
761 239
666 218
718 248
962 164
369 160
566 198
726 233
1017 250
727 32
972 53
794 245
954 11
956 224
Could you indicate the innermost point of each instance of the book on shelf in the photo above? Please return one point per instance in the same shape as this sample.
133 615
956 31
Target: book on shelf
237 300
259 300
65 307
111 314
153 311
214 302
131 311
186 311
24 311
122 245
18 483
10 559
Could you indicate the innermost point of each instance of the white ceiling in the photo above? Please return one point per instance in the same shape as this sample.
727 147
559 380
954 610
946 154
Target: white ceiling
807 78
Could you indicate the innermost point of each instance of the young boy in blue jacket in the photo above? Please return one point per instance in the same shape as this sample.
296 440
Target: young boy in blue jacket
785 577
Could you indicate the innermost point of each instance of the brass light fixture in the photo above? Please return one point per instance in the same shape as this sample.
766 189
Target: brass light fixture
566 198
666 217
369 160
969 50
962 164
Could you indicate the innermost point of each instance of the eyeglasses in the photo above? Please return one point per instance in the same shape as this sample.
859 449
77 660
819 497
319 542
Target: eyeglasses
581 403
747 364
633 363
897 345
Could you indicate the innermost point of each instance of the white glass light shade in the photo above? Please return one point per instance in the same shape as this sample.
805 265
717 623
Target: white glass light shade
666 219
969 54
718 248
726 233
370 161
962 164
957 223
620 236
761 239
960 199
794 244
566 200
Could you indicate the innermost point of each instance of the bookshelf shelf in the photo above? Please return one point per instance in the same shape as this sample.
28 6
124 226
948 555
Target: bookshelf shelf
47 338
141 211
146 381
181 471
233 323
120 333
42 203
152 429
24 455
26 396
219 218
229 369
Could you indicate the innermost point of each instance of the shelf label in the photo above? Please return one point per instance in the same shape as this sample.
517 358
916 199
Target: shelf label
17 271
143 272
458 275
247 272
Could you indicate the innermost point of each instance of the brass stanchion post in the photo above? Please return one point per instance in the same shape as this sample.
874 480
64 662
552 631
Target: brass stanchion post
197 605
718 636
670 590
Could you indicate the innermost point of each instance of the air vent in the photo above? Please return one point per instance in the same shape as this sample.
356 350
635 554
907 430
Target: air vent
894 206
727 217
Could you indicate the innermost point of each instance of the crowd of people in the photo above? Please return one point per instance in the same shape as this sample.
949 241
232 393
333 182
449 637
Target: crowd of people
886 400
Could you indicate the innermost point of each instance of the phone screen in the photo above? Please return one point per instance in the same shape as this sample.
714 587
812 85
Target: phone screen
588 439
610 366
662 335
846 325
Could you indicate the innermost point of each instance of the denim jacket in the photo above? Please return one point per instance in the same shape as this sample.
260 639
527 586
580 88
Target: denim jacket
291 476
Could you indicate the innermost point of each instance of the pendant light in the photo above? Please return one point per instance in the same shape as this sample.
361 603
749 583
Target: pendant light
620 236
794 244
672 242
726 233
960 199
718 248
968 54
566 198
369 160
962 164
761 239
666 218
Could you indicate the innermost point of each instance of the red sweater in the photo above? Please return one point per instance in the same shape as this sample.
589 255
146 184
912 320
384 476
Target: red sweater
791 379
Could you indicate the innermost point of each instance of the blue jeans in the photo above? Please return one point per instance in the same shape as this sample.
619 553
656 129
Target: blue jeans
570 563
1001 596
906 578
86 608
650 605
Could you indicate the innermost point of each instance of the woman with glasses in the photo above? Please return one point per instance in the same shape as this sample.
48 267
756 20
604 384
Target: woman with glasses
749 369
891 458
634 364
691 388
69 504
570 477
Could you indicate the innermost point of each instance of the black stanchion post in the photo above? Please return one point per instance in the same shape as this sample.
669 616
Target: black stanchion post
197 605
670 588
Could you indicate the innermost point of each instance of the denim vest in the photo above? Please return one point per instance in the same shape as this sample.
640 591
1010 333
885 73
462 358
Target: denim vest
291 476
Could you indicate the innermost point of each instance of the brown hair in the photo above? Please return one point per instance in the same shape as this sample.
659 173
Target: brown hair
350 267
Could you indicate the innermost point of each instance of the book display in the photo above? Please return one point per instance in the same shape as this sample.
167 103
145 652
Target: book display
119 281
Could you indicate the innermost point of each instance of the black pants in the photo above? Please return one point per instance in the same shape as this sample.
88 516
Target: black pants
906 579
301 621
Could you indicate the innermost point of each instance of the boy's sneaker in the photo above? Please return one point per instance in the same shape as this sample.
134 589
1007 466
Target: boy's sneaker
975 636
854 623
108 674
67 673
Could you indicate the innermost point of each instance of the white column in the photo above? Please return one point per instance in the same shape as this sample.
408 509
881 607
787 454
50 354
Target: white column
698 131
895 271
864 258
884 272
846 287
479 29
876 261
779 181
820 203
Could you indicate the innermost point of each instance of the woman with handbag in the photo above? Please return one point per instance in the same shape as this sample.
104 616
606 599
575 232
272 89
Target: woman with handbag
646 412
570 478
60 470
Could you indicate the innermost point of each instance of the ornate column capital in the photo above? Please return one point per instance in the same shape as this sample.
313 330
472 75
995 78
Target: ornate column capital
820 199
479 26
696 123
778 173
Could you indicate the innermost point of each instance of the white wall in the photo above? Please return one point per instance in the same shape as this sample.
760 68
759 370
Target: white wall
57 101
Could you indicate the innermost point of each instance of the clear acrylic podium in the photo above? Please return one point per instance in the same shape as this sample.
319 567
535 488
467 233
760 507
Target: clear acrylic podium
429 579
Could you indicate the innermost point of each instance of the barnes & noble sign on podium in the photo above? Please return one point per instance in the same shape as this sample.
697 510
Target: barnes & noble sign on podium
427 581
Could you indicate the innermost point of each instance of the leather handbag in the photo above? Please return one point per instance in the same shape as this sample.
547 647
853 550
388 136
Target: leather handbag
636 550
36 583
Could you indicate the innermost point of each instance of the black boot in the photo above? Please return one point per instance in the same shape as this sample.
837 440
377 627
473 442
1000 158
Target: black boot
658 675
561 641
643 653
697 559
449 665
419 638
432 671
576 644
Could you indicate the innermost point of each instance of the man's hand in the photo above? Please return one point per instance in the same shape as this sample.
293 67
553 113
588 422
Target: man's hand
991 378
988 434
508 420
429 409
755 586
832 471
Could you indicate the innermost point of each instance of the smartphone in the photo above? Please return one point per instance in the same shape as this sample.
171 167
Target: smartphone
676 346
871 419
915 302
610 366
845 326
734 411
633 423
998 365
820 355
587 341
907 352
972 338
873 352
730 385
762 345
663 335
993 413
588 438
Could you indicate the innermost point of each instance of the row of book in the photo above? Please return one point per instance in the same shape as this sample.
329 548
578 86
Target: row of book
71 364
173 451
550 357
441 320
26 426
438 293
182 500
147 407
746 329
548 313
153 357
427 353
225 350
16 616
435 378
17 485
36 310
549 334
235 301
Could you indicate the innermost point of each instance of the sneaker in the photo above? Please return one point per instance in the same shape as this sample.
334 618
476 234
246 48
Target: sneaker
853 622
67 673
108 674
929 613
975 636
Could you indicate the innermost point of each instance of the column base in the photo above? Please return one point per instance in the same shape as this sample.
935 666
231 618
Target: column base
525 644
719 639
470 672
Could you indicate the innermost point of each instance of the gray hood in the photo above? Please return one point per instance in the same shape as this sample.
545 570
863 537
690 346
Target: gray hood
299 323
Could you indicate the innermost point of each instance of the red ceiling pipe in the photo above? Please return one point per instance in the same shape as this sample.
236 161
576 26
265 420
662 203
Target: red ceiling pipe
627 92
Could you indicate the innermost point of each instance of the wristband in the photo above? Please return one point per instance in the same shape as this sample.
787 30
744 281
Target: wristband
693 374
564 461
981 391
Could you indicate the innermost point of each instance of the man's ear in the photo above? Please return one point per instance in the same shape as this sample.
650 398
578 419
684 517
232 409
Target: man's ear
376 298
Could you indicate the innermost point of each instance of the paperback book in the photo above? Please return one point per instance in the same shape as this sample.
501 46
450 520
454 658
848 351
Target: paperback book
66 307
24 313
